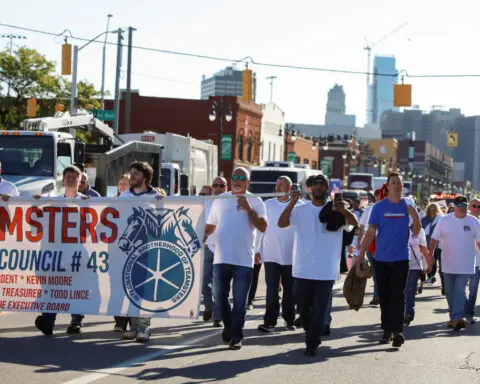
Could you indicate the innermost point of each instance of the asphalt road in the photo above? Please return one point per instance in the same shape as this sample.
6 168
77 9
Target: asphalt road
182 351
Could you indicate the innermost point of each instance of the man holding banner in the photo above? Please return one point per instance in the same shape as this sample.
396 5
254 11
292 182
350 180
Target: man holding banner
235 221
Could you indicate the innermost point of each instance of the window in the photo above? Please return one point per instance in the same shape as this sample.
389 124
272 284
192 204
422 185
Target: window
249 149
314 164
270 150
297 160
274 151
240 148
306 161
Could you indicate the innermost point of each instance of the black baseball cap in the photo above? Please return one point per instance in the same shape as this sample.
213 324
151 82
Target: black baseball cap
461 200
319 177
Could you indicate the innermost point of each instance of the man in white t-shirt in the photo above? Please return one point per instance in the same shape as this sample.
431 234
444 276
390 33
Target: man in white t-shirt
235 220
459 232
218 187
141 175
7 189
46 321
474 208
276 254
316 255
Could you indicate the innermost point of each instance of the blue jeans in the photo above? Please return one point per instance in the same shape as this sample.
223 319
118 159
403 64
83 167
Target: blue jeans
371 260
207 285
410 291
51 317
472 293
455 285
273 272
241 278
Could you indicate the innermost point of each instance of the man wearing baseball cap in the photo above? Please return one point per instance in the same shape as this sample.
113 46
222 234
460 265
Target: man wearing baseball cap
459 232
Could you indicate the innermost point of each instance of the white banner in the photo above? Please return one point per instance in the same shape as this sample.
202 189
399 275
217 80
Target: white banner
109 256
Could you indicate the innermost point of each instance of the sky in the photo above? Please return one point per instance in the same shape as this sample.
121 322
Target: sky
440 38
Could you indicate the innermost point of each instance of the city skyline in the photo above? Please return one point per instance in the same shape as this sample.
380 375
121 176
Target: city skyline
209 29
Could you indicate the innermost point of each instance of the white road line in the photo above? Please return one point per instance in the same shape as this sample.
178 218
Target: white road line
103 373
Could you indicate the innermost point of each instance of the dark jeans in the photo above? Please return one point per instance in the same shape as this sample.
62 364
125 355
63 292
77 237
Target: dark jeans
51 317
273 271
410 291
241 278
371 260
392 278
437 256
312 297
472 293
207 285
122 321
253 288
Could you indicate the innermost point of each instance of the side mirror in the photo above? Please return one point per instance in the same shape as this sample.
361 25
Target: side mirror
79 153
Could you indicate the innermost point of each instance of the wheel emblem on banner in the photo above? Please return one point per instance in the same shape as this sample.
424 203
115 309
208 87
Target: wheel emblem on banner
158 274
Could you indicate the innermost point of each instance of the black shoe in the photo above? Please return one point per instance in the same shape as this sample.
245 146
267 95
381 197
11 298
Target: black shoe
326 330
310 352
420 290
235 345
407 320
217 324
290 327
207 315
42 325
266 328
226 335
434 280
375 301
74 329
298 322
398 340
386 338
443 291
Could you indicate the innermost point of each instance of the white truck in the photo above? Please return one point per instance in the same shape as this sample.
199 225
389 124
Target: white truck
34 157
188 163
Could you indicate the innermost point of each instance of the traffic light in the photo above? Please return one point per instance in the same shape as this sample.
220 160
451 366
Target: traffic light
402 95
247 84
32 107
59 107
66 59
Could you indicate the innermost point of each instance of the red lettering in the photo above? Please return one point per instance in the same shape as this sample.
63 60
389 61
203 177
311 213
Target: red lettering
11 225
109 224
33 223
68 224
52 211
88 226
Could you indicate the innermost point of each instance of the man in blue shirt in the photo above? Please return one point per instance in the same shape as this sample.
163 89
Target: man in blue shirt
389 222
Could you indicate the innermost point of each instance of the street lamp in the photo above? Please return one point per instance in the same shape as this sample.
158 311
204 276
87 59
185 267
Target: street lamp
104 54
286 132
11 38
218 109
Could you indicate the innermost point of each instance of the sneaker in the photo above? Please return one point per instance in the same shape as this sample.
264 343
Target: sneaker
118 328
217 324
471 319
74 328
266 328
443 291
43 326
375 301
249 307
129 335
407 320
459 324
398 340
326 330
420 290
434 280
386 338
298 322
143 336
290 327
310 352
429 280
207 315
226 335
451 324
235 345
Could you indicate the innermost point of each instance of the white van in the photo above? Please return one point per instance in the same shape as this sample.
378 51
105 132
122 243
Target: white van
263 179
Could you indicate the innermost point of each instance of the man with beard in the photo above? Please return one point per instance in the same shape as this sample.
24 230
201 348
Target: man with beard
316 255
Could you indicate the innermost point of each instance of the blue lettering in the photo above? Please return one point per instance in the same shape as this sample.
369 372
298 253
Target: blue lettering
45 266
24 260
35 258
13 262
3 265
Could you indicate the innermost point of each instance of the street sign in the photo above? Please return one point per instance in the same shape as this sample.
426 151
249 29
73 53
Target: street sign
226 152
105 115
292 156
452 140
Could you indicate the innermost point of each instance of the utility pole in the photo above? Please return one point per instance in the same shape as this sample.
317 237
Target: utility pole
11 37
271 78
109 16
117 80
128 95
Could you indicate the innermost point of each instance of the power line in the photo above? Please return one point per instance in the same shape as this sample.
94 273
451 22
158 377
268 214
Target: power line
249 59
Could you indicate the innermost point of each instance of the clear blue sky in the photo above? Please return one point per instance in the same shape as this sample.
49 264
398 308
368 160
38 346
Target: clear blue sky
441 37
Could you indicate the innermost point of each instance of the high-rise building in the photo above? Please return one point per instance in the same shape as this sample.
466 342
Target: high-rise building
467 152
380 98
227 82
335 114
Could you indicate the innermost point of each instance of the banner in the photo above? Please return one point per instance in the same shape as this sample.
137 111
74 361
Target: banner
108 256
226 152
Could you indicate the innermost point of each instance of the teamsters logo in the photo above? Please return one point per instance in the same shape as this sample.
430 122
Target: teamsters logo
160 243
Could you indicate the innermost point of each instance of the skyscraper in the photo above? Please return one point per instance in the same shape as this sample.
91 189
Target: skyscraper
335 114
380 98
227 82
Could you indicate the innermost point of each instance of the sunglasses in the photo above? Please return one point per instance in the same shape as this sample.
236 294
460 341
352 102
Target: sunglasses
475 206
319 183
241 178
219 185
461 205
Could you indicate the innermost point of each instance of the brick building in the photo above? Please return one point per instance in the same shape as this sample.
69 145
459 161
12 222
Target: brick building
191 117
302 151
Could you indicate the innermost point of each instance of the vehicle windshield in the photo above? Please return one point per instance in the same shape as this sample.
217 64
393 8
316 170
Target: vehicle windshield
27 155
271 176
165 179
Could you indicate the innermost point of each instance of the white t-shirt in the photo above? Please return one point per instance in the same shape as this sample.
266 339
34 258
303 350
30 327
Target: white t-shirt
417 261
316 251
53 194
277 244
8 188
458 238
210 243
235 242
366 216
131 193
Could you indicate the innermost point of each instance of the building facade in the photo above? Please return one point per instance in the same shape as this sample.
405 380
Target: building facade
336 110
227 82
468 150
301 150
272 143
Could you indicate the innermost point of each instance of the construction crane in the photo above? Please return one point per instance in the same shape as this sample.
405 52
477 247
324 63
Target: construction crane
368 47
271 78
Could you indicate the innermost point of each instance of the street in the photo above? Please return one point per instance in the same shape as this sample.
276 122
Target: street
182 351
